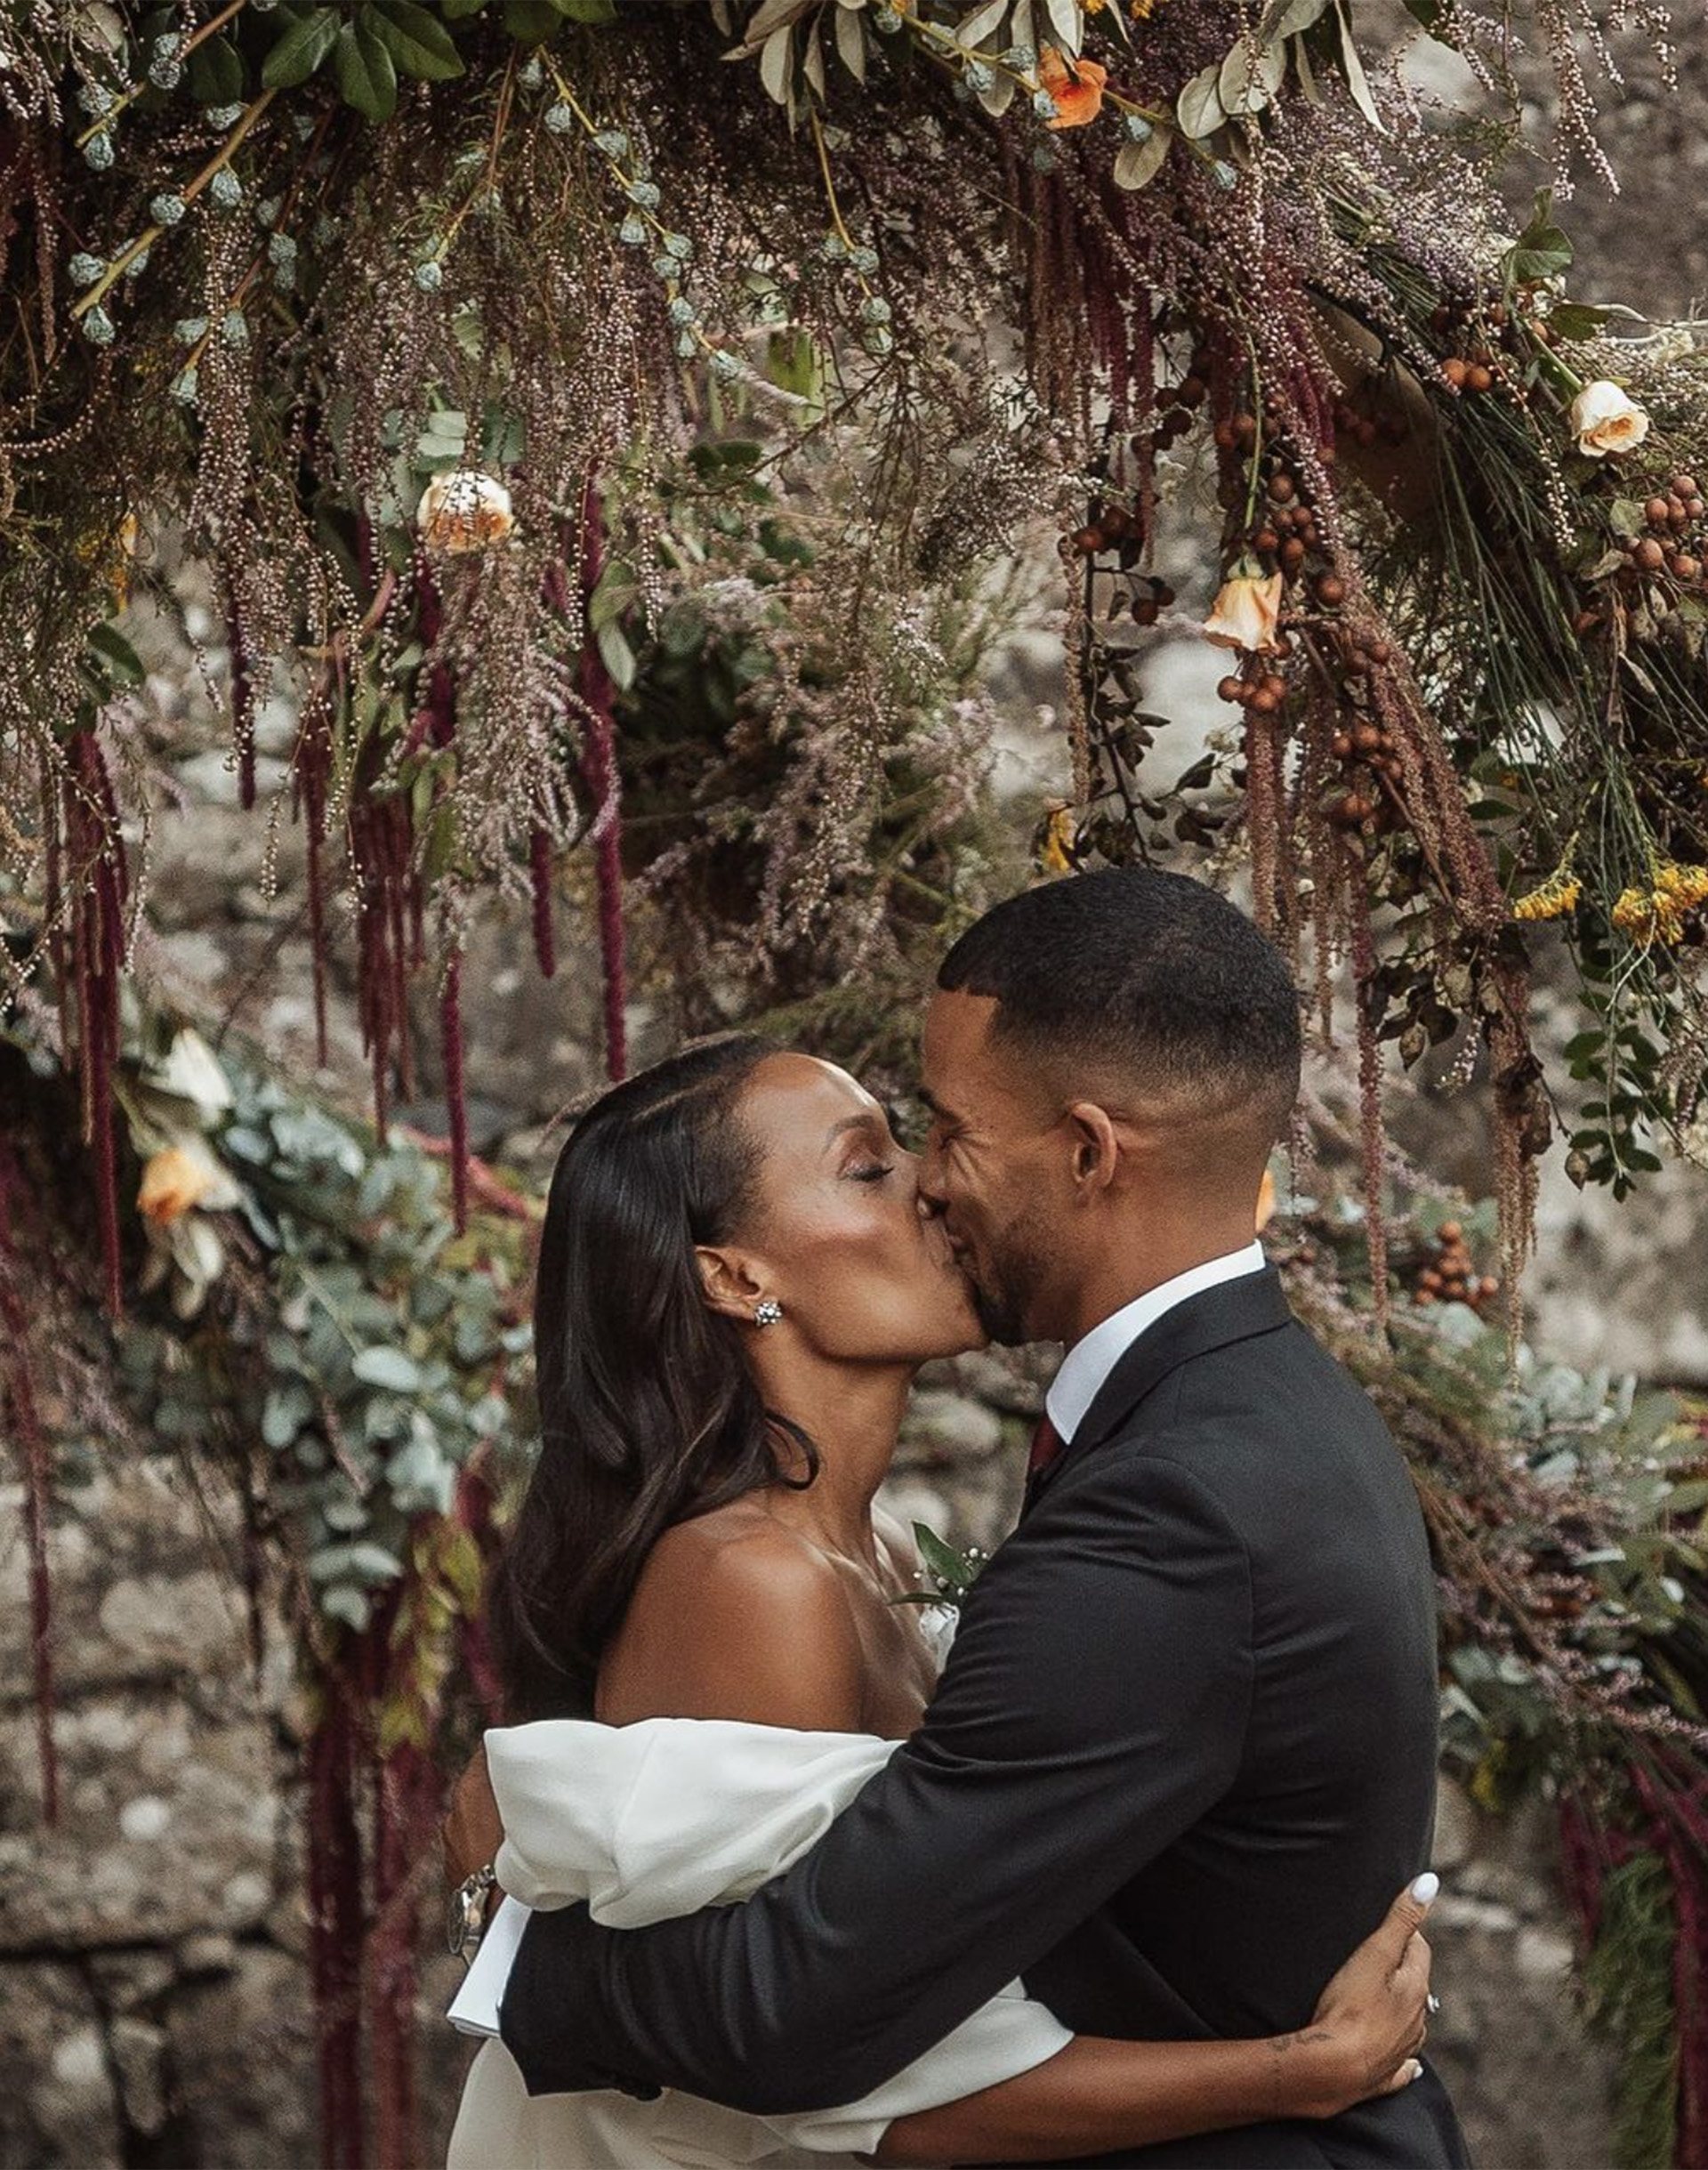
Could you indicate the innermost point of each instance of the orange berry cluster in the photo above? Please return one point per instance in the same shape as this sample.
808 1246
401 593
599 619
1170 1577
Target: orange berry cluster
1448 1276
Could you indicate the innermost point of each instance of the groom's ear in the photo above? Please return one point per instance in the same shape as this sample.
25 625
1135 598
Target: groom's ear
729 1281
1096 1147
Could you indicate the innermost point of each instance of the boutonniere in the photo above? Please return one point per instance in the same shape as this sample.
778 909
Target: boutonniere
951 1573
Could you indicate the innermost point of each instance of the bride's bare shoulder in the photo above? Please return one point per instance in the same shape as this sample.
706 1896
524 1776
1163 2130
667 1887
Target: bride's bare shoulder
735 1615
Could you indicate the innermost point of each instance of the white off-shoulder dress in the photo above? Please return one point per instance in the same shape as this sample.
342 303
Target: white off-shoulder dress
644 1822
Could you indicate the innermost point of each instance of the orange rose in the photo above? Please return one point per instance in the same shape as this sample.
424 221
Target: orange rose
1076 88
173 1182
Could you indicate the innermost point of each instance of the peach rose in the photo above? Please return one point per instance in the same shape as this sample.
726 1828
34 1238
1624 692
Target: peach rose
1245 613
1606 419
174 1181
464 512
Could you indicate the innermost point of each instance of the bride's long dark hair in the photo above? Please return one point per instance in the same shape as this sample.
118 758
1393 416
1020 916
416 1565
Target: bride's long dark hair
648 1413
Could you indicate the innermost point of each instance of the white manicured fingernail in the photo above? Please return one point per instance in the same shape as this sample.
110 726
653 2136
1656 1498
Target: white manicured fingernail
1416 2072
1426 1887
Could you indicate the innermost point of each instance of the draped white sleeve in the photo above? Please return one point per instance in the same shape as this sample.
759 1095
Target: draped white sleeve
644 1822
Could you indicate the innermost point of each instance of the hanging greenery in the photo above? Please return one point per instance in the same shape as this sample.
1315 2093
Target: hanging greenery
433 326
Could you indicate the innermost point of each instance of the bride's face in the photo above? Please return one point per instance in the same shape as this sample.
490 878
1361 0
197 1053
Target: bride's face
838 1235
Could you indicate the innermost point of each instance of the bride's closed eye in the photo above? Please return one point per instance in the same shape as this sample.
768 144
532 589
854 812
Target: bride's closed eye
870 1172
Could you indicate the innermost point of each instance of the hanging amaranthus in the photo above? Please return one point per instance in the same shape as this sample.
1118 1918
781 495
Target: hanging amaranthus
24 1426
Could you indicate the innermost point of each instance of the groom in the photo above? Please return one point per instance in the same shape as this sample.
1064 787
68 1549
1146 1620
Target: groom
1183 1752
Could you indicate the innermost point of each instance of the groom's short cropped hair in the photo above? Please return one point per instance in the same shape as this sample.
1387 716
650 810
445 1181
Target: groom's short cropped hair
1148 980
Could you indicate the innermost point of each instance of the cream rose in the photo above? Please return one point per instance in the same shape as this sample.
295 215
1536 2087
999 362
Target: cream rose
1244 613
1606 419
464 512
176 1180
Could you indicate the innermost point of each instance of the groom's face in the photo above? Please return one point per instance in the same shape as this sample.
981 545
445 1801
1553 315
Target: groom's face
992 1165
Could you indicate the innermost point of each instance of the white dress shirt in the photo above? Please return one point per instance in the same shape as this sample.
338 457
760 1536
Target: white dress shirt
1091 1361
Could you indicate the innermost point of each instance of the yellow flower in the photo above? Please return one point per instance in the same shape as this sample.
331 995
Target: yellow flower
1265 1201
1553 898
1685 886
1076 88
465 511
1141 11
174 1182
1055 851
1245 613
1657 914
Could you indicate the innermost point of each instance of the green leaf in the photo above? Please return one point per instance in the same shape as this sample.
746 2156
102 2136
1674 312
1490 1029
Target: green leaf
418 41
1626 517
1576 319
119 660
617 656
216 73
388 1368
588 11
1541 251
531 21
300 52
366 78
458 11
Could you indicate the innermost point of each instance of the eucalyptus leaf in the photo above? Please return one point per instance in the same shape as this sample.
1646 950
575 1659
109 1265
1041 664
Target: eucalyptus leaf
776 70
851 43
386 1368
1199 107
974 29
1068 20
1356 81
1136 164
1250 78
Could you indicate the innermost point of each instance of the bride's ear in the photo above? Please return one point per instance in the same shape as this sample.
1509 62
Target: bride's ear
729 1281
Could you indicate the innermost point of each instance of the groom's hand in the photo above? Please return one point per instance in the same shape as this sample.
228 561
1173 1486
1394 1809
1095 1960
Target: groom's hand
473 1833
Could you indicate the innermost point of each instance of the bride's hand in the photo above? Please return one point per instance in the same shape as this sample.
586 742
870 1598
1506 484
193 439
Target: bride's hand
473 1833
1373 2014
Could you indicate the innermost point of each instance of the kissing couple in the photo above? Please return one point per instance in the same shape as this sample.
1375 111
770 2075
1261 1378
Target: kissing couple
777 1889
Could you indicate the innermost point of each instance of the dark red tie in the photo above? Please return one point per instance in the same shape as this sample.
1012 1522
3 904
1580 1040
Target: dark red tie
1046 1445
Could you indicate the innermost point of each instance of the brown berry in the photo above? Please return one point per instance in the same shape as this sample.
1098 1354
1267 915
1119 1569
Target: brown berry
1293 553
1649 554
1283 489
1654 511
1455 371
1479 377
1089 541
1263 703
1683 485
1342 745
1265 539
1331 591
1231 689
1687 567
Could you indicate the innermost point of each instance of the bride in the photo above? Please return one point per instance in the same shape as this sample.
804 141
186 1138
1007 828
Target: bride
698 1621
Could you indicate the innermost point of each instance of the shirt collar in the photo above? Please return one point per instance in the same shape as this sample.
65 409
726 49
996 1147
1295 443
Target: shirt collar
1091 1361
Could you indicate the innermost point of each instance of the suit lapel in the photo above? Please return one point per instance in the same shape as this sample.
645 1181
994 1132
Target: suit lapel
1234 1312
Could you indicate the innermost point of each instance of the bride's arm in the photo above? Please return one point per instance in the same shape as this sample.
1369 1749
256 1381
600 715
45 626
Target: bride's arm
1097 2096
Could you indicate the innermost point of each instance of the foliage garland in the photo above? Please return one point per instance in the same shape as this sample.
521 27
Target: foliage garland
417 315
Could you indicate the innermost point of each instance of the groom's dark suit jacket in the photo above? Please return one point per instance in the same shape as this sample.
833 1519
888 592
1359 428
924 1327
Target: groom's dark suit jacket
1181 1759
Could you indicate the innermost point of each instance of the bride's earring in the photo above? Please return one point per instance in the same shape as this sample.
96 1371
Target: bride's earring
767 1311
